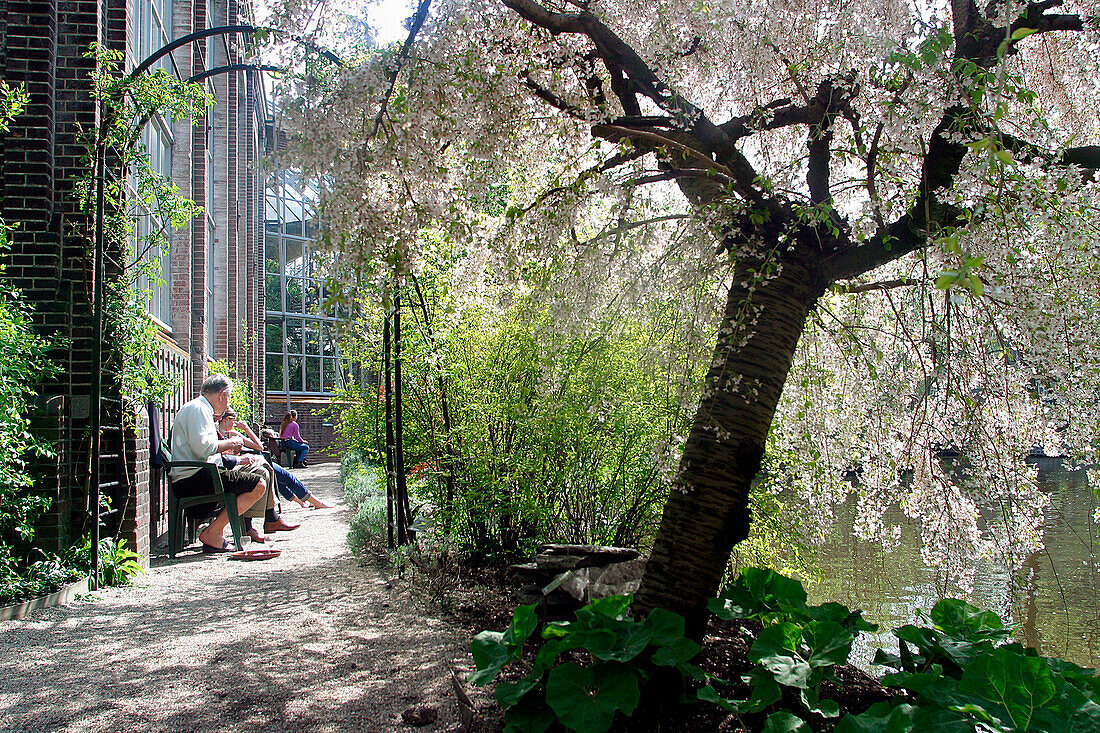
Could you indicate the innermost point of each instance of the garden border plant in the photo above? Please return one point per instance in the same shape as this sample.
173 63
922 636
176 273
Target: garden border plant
960 674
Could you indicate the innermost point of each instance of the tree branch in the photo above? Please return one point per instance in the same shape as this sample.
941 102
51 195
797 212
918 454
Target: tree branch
638 78
858 287
417 22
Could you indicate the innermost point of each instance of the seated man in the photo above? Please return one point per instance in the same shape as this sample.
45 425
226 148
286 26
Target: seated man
195 438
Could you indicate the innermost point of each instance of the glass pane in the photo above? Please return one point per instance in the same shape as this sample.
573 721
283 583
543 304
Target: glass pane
293 336
295 260
272 298
313 296
294 295
329 378
313 375
274 336
295 376
271 254
274 373
313 338
328 342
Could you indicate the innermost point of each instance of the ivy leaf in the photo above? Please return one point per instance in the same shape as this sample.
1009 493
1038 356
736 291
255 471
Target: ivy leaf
586 699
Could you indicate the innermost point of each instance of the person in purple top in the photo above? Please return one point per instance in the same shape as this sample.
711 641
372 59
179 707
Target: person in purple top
293 436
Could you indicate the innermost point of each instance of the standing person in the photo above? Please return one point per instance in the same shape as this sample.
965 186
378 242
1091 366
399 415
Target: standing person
289 485
289 431
195 438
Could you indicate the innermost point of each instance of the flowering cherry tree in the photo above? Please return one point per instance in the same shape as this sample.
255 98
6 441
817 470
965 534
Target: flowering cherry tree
897 199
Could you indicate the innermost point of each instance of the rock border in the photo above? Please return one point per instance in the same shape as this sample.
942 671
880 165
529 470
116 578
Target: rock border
60 597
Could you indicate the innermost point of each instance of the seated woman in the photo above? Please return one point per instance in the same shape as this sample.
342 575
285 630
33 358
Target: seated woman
265 507
289 485
291 433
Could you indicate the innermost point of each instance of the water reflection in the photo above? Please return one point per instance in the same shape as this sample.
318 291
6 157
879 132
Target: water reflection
1054 598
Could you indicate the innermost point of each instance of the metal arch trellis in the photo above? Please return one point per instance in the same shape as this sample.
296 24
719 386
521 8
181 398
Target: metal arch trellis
99 244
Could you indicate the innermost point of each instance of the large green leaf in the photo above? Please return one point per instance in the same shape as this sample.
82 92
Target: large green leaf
825 708
850 620
585 699
776 650
829 643
784 721
964 622
882 717
612 607
913 681
1013 688
676 653
758 592
531 715
765 691
524 623
510 693
493 650
664 627
490 655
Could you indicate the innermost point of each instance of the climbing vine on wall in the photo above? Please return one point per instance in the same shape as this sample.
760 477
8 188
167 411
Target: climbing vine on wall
135 190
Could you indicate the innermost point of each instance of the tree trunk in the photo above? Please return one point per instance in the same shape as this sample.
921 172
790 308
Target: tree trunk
708 509
391 487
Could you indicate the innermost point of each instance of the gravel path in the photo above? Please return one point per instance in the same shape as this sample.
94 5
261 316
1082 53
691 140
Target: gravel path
306 642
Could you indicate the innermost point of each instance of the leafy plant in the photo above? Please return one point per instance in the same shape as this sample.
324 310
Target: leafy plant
964 676
21 581
582 697
132 191
118 564
240 399
799 647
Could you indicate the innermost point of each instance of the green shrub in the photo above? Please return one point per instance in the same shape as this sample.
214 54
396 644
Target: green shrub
22 581
365 493
962 674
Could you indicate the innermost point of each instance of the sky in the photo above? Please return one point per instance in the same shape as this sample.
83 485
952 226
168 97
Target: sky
386 16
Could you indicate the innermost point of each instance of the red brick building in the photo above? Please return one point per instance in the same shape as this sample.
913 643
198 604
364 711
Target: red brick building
211 302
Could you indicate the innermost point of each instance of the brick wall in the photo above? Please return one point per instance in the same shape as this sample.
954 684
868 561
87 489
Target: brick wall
42 45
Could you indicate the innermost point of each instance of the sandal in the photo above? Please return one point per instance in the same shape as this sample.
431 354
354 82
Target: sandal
211 550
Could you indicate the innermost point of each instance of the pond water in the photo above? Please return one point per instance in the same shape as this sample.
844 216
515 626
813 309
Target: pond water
1054 600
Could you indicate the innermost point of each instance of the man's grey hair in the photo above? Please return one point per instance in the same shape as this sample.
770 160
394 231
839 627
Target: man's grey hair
215 383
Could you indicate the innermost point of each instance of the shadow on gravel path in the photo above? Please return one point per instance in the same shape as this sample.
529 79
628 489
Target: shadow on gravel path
306 642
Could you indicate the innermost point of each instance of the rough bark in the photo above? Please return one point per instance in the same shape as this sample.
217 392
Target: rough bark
708 510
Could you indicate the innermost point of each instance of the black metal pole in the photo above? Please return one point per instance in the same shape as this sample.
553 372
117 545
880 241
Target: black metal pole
95 391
